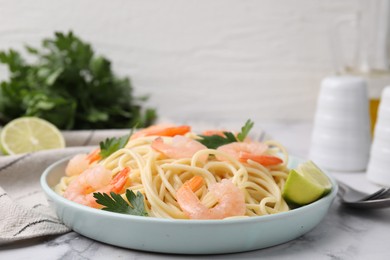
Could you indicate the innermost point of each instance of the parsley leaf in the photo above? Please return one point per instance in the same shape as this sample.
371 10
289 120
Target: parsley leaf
245 130
115 203
111 145
214 141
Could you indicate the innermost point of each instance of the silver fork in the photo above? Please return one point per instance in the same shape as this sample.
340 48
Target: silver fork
357 199
385 193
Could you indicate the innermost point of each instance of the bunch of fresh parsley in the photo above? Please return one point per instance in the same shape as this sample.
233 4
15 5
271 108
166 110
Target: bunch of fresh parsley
70 86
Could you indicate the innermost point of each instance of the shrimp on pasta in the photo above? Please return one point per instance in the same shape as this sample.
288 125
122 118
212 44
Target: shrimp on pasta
185 175
231 201
96 179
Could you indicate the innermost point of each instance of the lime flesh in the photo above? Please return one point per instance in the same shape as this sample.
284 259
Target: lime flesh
30 134
306 184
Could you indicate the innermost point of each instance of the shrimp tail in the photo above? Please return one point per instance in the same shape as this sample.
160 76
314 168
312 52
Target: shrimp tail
187 199
94 156
162 130
172 131
265 160
195 183
120 180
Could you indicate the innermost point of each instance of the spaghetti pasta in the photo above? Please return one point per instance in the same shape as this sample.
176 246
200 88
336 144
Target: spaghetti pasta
158 176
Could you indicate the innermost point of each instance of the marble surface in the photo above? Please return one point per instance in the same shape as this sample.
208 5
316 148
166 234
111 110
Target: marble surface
343 234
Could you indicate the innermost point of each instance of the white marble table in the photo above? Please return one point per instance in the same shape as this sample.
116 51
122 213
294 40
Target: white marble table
343 234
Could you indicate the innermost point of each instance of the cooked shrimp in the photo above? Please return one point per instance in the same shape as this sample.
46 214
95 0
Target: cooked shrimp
181 147
231 201
162 130
77 165
95 179
250 151
80 162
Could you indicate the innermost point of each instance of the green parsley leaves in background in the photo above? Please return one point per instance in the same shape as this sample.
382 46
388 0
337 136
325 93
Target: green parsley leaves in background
70 86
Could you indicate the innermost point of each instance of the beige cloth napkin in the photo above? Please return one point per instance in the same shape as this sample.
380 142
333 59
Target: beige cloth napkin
24 211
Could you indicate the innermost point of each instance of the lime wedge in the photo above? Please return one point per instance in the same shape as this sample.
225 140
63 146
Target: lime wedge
306 184
30 134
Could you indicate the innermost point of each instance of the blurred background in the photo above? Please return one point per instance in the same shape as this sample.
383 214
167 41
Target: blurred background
227 59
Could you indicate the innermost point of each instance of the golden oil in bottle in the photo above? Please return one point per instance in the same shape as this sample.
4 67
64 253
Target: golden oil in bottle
374 104
377 80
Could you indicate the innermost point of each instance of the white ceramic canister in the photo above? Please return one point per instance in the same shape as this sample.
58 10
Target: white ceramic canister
341 133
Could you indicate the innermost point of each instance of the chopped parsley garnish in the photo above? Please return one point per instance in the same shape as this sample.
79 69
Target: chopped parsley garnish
115 203
111 145
214 141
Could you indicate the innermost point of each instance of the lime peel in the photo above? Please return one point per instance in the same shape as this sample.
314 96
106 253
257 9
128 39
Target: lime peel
306 184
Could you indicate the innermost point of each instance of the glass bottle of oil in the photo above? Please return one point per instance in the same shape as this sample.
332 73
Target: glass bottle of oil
377 80
370 50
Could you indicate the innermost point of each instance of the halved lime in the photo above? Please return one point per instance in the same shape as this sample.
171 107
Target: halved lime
306 184
30 134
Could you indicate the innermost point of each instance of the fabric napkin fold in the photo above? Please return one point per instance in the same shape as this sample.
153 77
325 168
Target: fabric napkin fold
24 211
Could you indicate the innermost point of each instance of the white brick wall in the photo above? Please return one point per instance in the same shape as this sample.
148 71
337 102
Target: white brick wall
221 58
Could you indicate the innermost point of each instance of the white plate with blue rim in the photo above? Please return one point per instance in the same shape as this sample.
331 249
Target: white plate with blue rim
185 236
